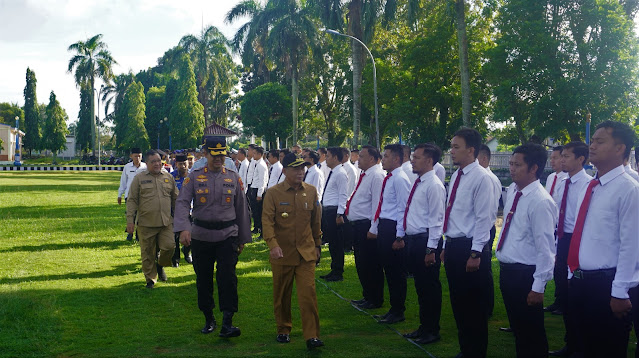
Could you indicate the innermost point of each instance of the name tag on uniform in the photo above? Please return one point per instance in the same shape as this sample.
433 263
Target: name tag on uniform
284 203
145 181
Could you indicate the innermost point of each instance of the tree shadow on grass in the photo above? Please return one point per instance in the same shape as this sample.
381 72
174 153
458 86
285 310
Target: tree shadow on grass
106 245
62 211
118 270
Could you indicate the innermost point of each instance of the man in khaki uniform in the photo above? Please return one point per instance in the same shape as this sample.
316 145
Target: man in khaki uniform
152 194
221 226
291 221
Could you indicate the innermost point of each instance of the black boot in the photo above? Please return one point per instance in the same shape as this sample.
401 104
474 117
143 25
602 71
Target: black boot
186 250
228 330
210 324
161 273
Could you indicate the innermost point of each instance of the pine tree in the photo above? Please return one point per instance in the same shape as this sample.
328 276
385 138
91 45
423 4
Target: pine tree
56 128
186 117
32 130
133 105
83 133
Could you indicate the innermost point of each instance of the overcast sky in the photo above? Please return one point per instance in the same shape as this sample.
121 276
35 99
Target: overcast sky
37 33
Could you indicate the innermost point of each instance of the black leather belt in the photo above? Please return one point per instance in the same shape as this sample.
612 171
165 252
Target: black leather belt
594 274
213 225
360 222
332 207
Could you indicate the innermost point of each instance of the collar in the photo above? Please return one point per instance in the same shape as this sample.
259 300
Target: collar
470 167
288 186
581 175
397 170
430 173
608 177
529 188
372 169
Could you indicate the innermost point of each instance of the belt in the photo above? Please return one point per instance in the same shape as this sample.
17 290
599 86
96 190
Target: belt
360 222
594 274
329 207
417 236
213 225
516 266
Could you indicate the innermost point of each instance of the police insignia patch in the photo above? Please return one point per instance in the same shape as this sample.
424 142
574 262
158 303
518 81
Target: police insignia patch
166 180
229 191
239 180
228 180
228 199
187 180
203 200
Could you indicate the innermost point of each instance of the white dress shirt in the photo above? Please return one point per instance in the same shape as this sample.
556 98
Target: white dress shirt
365 200
260 177
427 208
530 239
578 184
497 193
250 172
353 177
128 173
395 195
407 167
325 169
633 174
610 230
335 189
243 171
315 177
551 179
275 174
440 172
472 210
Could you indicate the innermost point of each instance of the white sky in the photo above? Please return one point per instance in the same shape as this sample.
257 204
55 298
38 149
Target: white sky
37 33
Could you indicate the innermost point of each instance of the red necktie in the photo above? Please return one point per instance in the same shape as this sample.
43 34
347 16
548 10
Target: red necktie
575 241
410 198
509 218
348 203
381 197
552 188
562 211
452 199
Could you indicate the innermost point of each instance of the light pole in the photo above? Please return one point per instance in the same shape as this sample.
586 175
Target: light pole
97 125
333 32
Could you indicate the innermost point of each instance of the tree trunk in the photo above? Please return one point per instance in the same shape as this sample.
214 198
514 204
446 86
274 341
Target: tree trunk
462 40
93 131
355 29
295 90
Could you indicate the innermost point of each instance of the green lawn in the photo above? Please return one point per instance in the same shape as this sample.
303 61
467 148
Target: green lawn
70 285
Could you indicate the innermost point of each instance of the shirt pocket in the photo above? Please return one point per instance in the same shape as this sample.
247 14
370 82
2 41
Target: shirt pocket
201 196
227 196
147 190
167 188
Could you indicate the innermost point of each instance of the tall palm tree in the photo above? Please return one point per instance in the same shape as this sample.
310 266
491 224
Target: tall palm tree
92 60
249 40
212 64
113 96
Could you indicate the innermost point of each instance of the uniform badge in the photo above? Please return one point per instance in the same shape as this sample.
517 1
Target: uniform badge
228 199
206 170
203 200
284 215
201 178
166 180
206 190
239 180
303 194
228 180
187 180
229 191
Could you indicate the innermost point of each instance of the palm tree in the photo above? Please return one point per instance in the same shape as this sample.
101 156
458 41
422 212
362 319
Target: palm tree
113 96
92 60
214 69
249 40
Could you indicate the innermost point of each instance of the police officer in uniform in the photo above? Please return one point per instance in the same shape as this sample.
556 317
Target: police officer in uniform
220 228
152 195
179 174
291 219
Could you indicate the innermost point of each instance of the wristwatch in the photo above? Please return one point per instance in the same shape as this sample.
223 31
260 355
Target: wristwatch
475 254
429 251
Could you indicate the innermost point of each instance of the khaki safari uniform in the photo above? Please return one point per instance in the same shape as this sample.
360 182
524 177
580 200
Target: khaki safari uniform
221 222
291 219
153 197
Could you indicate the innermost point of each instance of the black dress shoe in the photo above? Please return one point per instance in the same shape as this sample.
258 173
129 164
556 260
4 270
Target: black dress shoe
150 284
557 312
551 308
327 275
414 334
209 327
382 316
229 331
314 343
392 318
129 237
563 352
283 338
161 273
334 278
506 329
369 306
459 355
359 302
427 338
175 264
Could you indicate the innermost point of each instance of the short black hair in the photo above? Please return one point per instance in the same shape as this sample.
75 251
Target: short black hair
580 149
396 149
558 148
471 137
313 155
336 152
484 149
259 150
534 154
407 151
242 150
285 151
354 150
621 132
432 150
274 153
373 152
252 146
347 152
152 152
322 150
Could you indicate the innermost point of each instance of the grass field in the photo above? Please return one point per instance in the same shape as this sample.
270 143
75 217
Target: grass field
70 285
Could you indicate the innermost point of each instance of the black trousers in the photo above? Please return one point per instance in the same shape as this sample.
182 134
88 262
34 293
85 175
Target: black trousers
393 262
427 284
205 255
134 217
487 255
346 231
526 321
256 208
561 270
334 239
367 262
467 297
600 333
176 254
634 297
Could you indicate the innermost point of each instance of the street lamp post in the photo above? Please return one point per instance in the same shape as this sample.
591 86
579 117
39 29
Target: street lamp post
333 32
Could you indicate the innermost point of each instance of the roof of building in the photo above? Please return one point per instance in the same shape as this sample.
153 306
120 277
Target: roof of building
216 129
